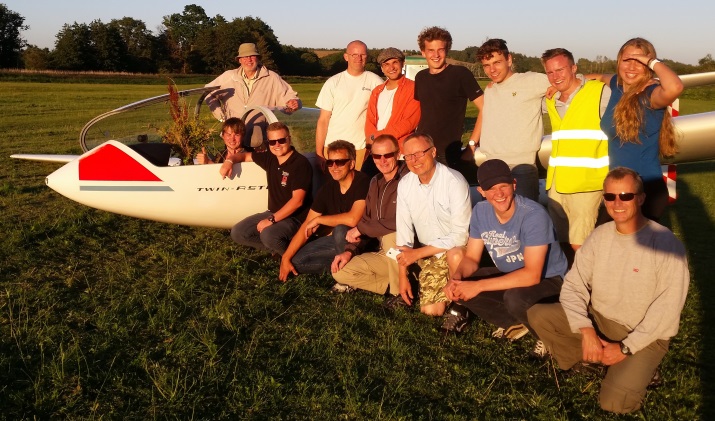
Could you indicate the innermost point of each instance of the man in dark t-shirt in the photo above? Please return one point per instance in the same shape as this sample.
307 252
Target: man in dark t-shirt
290 179
443 91
337 207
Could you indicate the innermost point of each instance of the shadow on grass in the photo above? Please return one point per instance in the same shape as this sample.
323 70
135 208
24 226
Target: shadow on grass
692 216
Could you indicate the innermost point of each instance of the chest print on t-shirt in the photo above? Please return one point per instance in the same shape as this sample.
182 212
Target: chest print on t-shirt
500 243
284 179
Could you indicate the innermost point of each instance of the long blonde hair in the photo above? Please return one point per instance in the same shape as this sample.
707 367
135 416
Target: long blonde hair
628 115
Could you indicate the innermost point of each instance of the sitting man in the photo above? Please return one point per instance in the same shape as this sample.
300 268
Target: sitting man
374 271
520 239
621 301
232 131
433 208
337 207
290 180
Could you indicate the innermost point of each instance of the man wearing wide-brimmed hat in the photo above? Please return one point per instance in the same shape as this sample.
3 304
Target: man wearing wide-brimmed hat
248 85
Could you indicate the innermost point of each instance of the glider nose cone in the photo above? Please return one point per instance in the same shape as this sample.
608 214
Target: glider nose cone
64 180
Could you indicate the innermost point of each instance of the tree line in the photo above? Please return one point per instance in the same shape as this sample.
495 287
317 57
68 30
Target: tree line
191 42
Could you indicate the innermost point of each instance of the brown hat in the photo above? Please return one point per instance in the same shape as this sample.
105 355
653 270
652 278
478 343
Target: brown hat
389 53
247 49
493 172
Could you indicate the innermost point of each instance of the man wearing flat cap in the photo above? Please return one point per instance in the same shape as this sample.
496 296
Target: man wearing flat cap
392 108
520 238
248 85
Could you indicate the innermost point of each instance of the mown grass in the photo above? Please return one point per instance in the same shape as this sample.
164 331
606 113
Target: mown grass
105 316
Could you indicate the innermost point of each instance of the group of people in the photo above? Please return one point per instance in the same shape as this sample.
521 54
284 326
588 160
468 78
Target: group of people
410 232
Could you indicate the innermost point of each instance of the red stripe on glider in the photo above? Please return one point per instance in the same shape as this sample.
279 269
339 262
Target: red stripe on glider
109 163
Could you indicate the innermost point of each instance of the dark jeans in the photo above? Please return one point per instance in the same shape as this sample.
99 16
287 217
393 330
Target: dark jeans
317 255
508 307
527 181
274 238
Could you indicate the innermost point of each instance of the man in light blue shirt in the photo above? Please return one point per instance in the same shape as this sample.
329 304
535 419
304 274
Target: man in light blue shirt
433 206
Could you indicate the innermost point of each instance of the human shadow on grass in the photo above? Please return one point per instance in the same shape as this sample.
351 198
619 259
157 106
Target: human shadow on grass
698 230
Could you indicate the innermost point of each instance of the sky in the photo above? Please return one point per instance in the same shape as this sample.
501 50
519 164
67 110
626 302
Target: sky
681 31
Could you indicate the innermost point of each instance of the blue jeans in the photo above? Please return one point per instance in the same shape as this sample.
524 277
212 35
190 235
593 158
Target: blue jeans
317 255
274 238
527 181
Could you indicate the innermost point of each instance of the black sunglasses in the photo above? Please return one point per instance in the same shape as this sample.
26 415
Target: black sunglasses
625 197
281 141
388 155
338 162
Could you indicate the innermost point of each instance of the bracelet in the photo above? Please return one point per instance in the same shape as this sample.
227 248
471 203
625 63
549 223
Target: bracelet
228 160
652 62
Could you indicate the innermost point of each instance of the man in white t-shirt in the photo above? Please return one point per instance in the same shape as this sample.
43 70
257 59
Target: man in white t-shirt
343 103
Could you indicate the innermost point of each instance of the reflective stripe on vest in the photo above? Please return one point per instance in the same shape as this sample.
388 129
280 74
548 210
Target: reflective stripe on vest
579 149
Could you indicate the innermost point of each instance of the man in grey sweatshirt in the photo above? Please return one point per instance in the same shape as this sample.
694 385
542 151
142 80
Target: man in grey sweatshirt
621 302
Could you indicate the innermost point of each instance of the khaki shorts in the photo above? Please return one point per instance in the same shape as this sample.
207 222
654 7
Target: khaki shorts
433 278
574 215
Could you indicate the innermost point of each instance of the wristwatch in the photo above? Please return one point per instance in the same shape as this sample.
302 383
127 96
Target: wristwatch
272 219
625 350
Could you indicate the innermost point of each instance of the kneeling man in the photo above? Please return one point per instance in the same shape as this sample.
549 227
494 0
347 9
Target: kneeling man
290 180
621 301
519 236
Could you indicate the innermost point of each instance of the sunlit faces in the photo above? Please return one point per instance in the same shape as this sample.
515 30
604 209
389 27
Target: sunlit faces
277 149
423 166
619 210
356 56
231 139
497 67
392 68
340 172
436 54
249 64
385 164
500 196
631 70
561 73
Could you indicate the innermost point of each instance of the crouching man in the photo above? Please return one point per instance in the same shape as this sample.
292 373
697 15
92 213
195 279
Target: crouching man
290 179
337 207
433 209
356 267
519 236
620 303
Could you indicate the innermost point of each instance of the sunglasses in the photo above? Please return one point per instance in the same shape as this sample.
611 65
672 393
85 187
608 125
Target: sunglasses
280 141
338 162
625 197
389 155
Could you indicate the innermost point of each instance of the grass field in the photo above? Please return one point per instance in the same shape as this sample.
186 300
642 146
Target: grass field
108 317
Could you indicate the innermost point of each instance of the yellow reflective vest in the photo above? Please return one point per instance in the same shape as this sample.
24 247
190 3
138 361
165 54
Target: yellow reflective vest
579 149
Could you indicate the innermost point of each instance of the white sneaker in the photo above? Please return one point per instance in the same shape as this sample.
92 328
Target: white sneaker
516 332
540 350
341 288
511 333
498 334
